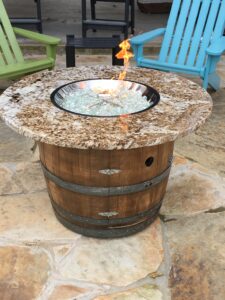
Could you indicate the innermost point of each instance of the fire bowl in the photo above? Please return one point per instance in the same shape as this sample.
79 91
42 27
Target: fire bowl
105 97
106 177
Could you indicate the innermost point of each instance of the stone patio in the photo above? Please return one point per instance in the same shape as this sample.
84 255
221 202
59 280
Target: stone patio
181 256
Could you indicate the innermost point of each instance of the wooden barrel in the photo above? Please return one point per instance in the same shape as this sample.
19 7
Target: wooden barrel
106 193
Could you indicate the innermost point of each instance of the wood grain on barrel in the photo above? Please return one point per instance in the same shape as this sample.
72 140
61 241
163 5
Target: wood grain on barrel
84 167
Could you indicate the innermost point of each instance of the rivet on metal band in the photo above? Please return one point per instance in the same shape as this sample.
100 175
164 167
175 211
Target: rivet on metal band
106 191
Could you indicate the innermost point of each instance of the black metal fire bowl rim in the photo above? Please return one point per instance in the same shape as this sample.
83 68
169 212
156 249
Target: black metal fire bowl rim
149 88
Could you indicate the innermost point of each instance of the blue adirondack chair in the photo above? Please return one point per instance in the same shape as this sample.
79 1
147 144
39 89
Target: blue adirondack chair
193 40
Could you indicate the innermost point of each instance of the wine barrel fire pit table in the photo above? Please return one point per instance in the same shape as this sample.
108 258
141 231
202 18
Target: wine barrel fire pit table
106 162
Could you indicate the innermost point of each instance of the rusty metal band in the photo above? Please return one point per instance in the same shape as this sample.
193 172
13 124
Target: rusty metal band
106 191
70 217
109 232
106 233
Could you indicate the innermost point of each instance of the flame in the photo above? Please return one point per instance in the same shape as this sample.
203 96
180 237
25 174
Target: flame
126 55
123 123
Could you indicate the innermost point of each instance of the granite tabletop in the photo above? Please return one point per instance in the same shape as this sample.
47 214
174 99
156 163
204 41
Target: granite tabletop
27 109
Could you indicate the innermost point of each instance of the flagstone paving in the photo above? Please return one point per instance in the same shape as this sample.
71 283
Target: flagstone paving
197 248
24 271
192 189
180 256
142 293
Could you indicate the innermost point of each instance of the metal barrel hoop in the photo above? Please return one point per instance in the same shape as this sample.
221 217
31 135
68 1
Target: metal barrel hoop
106 191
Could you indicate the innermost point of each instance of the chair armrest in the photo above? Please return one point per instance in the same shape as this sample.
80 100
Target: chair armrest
147 36
38 37
217 48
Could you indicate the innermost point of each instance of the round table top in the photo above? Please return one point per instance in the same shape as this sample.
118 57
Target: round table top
26 107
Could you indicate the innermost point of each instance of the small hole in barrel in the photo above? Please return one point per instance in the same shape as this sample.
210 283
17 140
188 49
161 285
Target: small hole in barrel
149 161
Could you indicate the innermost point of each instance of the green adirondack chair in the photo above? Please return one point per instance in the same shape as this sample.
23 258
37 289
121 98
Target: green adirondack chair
12 62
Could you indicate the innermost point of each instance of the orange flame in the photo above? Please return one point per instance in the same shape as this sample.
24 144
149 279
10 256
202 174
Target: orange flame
123 123
126 55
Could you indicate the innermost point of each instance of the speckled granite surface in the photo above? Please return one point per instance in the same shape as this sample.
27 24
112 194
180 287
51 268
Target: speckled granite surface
26 108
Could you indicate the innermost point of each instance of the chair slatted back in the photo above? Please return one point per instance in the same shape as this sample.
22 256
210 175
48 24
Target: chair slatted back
10 52
192 26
